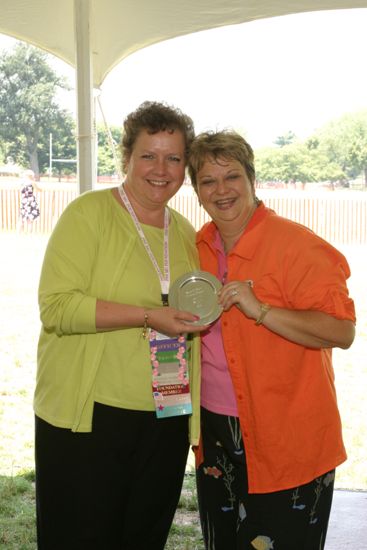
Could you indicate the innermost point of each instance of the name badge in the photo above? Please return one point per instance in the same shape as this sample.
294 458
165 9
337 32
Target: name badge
170 375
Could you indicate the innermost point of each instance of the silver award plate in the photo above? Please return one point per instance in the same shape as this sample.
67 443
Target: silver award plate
197 292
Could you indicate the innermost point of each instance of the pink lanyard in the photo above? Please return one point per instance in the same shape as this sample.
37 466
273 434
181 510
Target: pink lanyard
164 278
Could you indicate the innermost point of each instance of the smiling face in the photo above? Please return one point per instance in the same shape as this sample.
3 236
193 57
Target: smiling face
155 168
225 191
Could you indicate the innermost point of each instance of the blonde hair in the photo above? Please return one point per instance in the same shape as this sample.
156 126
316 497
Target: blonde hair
226 144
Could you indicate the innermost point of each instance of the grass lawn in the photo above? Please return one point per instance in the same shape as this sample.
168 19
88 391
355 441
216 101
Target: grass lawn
21 257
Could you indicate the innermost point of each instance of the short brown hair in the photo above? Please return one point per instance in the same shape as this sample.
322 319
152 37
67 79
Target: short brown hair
154 117
225 144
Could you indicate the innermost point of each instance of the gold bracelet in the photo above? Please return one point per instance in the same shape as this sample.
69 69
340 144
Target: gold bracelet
264 308
144 332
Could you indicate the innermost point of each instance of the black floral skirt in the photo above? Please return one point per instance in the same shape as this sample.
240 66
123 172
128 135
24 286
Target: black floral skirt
233 519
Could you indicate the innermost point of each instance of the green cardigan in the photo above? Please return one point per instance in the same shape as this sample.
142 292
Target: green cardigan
88 251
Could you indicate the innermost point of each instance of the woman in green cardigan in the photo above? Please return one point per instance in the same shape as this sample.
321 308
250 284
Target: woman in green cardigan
111 438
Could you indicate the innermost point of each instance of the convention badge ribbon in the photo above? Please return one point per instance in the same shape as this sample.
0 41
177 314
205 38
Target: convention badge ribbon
170 375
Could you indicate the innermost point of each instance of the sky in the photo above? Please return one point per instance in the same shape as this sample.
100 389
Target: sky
263 78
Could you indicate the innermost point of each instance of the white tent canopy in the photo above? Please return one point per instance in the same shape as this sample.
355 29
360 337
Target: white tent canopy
95 35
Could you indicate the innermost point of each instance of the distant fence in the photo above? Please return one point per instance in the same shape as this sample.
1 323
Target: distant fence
338 217
52 203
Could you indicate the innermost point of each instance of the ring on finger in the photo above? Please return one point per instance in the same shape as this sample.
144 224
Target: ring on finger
234 292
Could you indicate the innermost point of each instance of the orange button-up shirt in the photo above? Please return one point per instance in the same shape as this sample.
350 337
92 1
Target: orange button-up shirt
285 392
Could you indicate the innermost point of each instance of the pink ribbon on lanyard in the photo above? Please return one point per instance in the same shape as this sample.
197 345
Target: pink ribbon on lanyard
164 278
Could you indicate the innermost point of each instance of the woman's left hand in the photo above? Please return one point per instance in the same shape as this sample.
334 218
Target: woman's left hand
240 294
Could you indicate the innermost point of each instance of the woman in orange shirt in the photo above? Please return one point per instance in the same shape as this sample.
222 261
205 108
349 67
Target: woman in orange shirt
271 430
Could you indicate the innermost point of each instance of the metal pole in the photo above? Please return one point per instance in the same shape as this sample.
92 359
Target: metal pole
84 85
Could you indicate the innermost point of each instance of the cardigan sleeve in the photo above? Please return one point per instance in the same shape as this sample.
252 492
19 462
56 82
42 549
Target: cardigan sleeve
65 304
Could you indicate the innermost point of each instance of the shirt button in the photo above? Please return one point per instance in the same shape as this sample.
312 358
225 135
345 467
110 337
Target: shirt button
225 323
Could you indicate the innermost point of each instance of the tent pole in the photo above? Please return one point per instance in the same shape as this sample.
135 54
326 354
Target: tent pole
85 107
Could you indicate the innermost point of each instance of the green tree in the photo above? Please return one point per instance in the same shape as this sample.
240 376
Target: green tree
344 143
286 139
63 146
268 164
28 107
106 161
2 153
287 164
297 162
336 153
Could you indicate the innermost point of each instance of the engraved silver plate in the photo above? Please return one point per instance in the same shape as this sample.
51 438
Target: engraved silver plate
197 292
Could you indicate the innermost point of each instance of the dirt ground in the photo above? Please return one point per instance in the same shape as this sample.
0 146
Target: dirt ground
21 257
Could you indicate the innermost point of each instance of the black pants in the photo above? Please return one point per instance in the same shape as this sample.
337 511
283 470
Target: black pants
233 519
114 488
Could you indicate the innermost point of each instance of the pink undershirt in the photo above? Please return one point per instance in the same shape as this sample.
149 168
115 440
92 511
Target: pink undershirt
217 393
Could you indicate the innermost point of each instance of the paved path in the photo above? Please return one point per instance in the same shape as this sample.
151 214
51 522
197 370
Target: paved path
348 521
